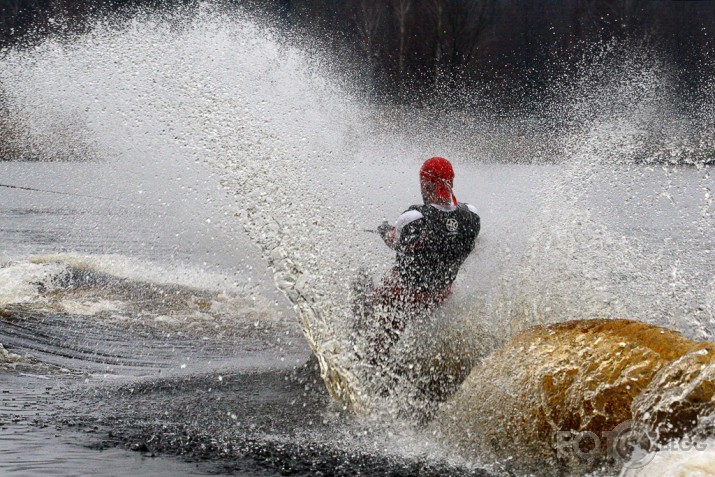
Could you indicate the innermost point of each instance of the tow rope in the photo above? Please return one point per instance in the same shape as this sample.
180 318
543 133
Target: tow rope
9 186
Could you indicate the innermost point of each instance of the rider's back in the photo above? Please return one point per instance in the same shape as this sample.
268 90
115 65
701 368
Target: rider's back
433 243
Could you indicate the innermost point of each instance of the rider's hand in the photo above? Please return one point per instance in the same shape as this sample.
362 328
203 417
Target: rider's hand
384 229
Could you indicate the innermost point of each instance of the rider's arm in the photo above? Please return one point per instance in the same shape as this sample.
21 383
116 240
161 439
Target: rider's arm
408 231
476 222
387 232
405 233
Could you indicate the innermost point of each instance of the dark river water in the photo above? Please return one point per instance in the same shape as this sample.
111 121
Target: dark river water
128 358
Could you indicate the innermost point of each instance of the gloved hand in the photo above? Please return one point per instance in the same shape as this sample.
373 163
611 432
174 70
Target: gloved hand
384 229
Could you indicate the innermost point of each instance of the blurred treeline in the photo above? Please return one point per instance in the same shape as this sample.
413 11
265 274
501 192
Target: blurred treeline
19 17
521 44
413 46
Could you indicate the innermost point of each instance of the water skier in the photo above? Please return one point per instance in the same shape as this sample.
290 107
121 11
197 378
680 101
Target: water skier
431 242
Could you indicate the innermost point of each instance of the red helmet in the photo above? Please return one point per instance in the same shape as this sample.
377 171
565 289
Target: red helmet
439 171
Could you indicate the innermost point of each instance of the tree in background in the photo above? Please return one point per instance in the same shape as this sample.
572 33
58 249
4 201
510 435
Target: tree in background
401 8
368 18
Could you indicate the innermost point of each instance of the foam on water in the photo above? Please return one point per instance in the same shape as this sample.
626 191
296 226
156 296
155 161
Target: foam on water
17 282
60 311
687 459
8 359
118 289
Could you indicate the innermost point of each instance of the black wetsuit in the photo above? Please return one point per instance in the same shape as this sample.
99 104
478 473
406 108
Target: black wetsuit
431 243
